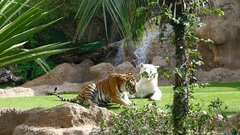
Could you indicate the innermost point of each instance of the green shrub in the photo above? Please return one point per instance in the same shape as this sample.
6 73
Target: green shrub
150 120
147 120
31 70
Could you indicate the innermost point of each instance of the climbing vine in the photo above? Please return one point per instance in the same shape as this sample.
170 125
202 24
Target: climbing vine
184 18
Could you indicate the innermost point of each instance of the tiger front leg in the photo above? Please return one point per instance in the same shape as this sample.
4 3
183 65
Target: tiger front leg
121 101
125 98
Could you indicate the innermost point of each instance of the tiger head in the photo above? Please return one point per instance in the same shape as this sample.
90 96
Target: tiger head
126 82
130 84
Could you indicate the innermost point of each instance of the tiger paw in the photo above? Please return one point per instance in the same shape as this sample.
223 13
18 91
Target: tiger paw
129 102
156 96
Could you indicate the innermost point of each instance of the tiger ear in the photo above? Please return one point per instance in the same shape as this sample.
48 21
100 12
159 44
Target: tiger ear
141 65
127 76
115 75
118 76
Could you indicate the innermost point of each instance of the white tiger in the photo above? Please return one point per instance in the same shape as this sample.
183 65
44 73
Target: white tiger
148 83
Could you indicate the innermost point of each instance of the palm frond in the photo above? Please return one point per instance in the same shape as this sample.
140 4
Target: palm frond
123 13
9 9
87 9
15 30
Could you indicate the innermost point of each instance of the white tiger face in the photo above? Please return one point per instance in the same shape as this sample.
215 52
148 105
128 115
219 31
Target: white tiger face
148 71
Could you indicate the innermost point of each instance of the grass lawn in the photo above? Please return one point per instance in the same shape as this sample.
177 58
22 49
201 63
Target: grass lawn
227 92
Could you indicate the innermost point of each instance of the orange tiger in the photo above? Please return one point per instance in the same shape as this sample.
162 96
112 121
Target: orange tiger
112 89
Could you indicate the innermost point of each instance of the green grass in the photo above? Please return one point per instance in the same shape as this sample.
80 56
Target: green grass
227 92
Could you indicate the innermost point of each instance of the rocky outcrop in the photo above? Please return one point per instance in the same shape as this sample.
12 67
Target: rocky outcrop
66 72
224 31
101 70
63 119
160 61
126 67
7 77
79 73
217 75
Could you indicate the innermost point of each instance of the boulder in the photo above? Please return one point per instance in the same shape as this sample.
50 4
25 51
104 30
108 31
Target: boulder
224 31
233 121
16 92
7 77
63 119
159 61
217 75
66 72
125 67
101 70
31 130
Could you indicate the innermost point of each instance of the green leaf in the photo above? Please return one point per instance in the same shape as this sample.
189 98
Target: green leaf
23 36
14 34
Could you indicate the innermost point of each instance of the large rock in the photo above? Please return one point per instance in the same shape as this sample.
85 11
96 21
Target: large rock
101 70
66 72
16 92
217 75
63 119
7 77
125 67
31 130
159 61
224 31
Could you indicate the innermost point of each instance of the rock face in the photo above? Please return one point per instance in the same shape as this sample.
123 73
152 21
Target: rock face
79 73
66 72
218 75
126 67
7 77
225 32
63 119
159 61
101 70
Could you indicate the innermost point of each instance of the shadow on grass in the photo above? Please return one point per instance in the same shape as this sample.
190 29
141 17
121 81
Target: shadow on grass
229 113
227 84
113 108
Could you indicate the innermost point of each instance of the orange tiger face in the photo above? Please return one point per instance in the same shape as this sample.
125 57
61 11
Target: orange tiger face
130 83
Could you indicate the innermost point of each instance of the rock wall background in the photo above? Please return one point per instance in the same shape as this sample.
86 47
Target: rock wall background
225 32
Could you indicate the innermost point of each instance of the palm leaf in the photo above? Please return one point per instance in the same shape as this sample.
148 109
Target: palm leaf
87 9
10 9
28 56
43 64
16 30
25 21
91 47
23 36
122 12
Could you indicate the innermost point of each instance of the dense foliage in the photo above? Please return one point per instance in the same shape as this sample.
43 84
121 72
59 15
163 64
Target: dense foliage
150 120
18 24
31 70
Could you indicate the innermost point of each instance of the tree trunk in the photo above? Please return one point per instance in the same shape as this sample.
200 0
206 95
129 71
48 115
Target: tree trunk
180 97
